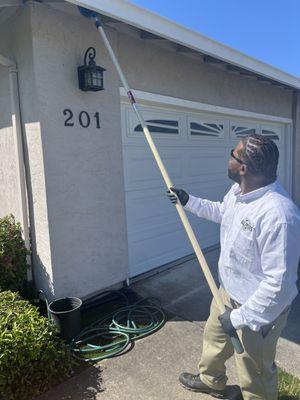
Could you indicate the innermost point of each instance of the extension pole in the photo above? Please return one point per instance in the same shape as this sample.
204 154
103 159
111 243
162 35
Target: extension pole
202 261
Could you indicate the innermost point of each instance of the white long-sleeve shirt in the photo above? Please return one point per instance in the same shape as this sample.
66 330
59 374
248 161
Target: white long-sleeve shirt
260 250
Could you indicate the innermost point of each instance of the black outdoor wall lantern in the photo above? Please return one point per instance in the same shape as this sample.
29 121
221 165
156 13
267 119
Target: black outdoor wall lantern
90 75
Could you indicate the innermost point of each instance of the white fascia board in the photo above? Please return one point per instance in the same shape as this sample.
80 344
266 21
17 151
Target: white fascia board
158 99
129 13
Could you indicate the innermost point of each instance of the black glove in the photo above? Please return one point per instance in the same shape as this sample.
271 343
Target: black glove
182 195
226 322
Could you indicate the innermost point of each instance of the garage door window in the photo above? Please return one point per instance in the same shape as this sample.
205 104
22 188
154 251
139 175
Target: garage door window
206 129
270 134
241 131
162 126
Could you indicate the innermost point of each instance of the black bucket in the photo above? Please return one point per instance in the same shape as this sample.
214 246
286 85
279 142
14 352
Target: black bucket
66 315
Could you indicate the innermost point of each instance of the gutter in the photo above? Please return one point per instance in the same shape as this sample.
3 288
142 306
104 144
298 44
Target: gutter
19 155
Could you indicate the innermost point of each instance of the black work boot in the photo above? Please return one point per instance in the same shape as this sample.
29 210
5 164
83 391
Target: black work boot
194 383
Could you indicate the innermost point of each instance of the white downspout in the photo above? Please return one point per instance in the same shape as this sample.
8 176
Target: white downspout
19 148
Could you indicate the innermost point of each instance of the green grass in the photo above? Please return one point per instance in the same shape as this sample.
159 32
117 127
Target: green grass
288 385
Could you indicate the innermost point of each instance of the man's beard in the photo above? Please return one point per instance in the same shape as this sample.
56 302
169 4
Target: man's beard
235 176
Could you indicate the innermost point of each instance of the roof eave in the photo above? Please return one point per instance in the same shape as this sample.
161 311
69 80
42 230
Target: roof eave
148 21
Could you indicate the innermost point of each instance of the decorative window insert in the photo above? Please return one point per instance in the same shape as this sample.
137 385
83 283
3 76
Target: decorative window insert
242 131
206 129
163 126
270 134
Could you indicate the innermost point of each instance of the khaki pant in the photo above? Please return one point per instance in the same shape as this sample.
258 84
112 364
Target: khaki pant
256 367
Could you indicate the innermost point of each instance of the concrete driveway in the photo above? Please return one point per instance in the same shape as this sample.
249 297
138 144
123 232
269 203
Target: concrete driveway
150 370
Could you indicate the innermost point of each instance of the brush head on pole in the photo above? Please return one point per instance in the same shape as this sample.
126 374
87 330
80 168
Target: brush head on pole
88 13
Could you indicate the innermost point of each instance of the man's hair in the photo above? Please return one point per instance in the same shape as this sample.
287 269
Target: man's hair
261 155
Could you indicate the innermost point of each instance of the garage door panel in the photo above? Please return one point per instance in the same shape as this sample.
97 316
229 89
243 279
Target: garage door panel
281 173
160 249
206 232
211 189
154 260
149 209
140 167
195 149
200 163
161 245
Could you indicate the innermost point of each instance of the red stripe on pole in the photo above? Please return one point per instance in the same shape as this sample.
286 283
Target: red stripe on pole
131 97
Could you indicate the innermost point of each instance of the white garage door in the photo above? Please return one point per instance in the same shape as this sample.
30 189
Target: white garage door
195 148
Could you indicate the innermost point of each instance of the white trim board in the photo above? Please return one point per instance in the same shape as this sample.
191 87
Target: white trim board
193 105
131 14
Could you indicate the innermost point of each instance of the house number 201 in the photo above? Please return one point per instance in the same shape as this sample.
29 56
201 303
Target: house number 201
84 118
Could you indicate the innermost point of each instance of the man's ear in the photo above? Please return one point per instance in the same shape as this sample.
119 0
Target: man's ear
243 170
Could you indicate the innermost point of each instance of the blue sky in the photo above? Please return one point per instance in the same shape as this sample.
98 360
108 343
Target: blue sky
268 30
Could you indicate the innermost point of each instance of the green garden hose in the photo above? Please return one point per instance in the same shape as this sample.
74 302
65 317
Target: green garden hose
112 334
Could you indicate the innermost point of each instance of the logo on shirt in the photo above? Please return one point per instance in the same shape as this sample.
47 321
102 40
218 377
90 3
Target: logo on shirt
246 225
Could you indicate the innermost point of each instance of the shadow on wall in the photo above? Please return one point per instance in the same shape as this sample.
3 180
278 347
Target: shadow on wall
39 269
5 106
42 278
5 119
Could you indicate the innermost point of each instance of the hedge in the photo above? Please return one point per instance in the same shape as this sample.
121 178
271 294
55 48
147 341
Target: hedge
13 265
32 357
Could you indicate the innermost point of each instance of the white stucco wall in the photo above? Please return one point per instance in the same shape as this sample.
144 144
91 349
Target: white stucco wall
8 178
16 44
83 167
149 67
76 174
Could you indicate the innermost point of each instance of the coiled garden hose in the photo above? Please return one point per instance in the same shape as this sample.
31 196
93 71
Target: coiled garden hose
112 334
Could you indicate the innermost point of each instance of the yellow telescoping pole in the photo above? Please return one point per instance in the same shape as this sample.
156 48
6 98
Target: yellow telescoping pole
202 261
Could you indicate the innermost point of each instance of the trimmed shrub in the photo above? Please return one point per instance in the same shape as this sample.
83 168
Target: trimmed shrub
13 265
32 357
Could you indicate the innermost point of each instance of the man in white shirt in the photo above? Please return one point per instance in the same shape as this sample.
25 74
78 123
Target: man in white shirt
260 250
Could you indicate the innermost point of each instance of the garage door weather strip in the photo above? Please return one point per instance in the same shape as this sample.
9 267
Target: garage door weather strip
96 18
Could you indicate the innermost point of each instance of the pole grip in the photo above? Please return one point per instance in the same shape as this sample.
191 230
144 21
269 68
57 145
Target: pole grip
235 340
